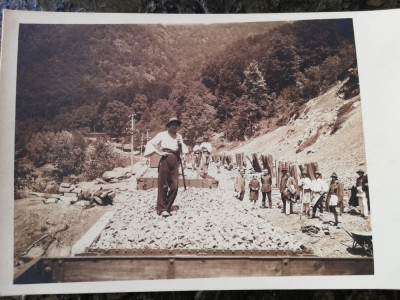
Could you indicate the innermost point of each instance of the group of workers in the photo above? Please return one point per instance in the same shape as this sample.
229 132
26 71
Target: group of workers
201 156
314 194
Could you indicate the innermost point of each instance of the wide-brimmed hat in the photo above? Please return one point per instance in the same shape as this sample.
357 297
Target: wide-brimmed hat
172 120
241 170
318 172
334 175
305 173
206 138
360 171
284 170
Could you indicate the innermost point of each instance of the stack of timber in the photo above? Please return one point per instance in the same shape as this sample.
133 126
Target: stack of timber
310 168
71 194
268 164
292 168
239 160
256 164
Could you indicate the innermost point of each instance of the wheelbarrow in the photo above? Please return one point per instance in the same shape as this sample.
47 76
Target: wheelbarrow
362 239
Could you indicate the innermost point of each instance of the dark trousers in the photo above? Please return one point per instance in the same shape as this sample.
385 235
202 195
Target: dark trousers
318 204
284 197
168 176
264 196
241 196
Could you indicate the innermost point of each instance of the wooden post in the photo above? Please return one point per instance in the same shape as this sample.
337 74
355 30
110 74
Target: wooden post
132 127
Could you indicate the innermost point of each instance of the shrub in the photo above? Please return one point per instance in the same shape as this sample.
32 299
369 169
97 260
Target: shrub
68 152
100 158
38 148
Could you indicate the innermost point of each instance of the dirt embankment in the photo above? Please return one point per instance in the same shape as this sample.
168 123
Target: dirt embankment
328 131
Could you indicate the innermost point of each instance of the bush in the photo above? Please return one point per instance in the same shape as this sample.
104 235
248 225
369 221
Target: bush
68 152
100 158
38 148
24 176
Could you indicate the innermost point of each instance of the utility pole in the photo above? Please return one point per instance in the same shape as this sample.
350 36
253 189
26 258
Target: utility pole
132 128
141 145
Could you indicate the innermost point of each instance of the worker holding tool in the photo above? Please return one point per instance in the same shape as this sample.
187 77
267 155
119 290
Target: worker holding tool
170 146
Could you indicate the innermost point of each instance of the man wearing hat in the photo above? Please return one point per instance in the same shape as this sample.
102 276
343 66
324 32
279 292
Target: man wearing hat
305 184
254 187
170 146
318 188
266 182
332 199
283 189
205 148
196 154
361 186
239 184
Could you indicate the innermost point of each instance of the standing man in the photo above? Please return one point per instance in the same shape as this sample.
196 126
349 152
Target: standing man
333 196
239 185
266 182
319 188
282 188
291 193
362 185
205 148
305 184
254 186
170 146
196 155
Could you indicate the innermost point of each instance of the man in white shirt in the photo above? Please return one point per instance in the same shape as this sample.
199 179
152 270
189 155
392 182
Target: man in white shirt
170 146
305 184
196 155
319 189
205 148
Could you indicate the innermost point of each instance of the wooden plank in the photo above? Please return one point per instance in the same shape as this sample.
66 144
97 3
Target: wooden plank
340 196
311 170
96 268
294 173
45 195
256 163
87 239
145 183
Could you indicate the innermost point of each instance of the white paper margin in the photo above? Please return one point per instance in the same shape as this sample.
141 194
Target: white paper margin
377 36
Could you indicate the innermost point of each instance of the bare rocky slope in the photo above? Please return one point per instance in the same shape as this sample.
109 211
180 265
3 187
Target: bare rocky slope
328 131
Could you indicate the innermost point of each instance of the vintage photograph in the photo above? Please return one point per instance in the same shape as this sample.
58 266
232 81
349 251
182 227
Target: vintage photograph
163 151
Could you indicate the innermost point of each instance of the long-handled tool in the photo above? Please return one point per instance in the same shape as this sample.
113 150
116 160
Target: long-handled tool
183 173
302 198
180 162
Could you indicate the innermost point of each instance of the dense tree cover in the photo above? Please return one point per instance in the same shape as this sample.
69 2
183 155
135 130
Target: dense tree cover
65 150
222 78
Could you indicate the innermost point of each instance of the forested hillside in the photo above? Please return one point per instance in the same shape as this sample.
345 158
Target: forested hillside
236 80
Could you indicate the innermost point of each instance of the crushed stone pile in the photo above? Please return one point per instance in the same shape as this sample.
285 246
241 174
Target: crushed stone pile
201 219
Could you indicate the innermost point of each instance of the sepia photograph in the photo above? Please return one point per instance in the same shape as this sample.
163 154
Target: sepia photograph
167 151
